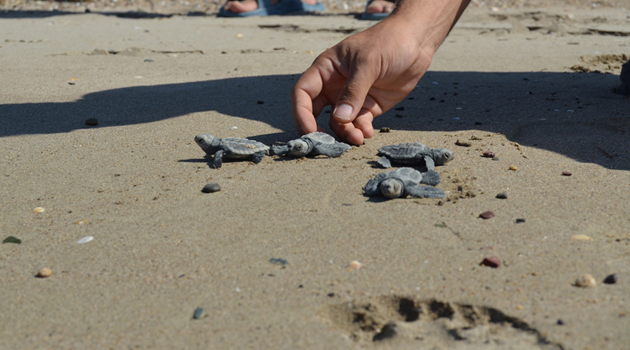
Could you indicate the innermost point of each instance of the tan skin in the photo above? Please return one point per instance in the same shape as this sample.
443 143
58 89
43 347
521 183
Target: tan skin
368 73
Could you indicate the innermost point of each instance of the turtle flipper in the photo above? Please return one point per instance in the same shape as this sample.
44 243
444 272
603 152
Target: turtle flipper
258 157
218 159
279 150
425 192
431 178
371 188
429 162
384 162
331 149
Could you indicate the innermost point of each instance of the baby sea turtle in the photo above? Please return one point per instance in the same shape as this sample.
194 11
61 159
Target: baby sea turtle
400 183
231 147
416 153
312 144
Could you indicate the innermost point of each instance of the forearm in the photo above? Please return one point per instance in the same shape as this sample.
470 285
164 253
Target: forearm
430 21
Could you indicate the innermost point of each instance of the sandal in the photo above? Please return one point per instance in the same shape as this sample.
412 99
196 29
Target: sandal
265 8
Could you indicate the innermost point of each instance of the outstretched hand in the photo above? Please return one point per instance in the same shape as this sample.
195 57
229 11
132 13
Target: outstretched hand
361 77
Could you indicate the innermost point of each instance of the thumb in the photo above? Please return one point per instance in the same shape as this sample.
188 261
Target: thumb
352 96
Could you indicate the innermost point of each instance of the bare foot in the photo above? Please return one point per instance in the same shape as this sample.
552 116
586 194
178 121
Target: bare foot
251 5
380 6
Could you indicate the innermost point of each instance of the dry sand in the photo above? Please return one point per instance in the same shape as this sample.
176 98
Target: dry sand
510 81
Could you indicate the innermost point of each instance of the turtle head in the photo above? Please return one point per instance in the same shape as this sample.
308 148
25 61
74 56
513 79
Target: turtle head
298 148
442 156
392 188
207 142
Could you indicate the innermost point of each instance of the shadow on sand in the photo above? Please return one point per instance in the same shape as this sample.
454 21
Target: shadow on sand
573 114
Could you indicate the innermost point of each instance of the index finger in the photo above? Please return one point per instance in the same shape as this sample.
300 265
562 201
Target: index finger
308 87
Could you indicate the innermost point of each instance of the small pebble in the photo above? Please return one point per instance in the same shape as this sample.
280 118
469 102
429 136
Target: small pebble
211 187
520 220
388 331
585 281
38 210
488 154
12 239
45 272
385 130
502 195
463 143
234 128
197 314
495 158
148 60
91 122
567 173
611 279
399 108
492 261
487 215
279 261
560 322
512 167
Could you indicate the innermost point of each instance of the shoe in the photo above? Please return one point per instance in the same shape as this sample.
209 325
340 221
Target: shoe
265 8
623 83
373 16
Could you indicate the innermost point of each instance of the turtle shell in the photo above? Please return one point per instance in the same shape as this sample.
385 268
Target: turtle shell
241 146
320 137
404 151
407 175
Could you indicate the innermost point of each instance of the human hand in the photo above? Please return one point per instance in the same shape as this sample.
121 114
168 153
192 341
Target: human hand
361 77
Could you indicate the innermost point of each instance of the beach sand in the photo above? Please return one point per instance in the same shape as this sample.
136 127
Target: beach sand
533 85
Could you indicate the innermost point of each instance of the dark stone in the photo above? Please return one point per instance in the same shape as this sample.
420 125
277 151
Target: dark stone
492 261
148 60
91 122
211 187
197 314
560 322
279 261
331 295
432 99
399 108
388 331
260 102
520 220
488 154
567 173
502 195
385 130
611 279
487 215
478 123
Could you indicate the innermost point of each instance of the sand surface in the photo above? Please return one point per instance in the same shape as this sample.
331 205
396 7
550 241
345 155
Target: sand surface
532 85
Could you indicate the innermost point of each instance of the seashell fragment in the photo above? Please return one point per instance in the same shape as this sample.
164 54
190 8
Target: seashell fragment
38 210
355 265
582 238
585 281
85 239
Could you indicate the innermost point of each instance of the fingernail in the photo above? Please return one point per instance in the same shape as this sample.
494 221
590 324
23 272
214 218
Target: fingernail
343 113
